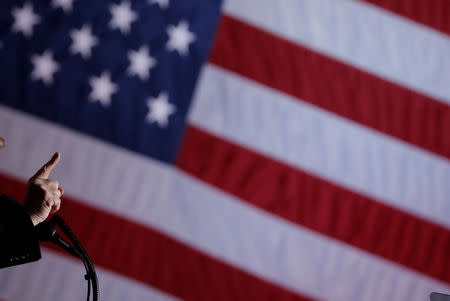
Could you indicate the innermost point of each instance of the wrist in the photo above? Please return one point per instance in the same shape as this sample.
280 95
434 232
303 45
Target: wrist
34 219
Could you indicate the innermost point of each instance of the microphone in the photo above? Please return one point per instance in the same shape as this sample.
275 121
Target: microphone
46 231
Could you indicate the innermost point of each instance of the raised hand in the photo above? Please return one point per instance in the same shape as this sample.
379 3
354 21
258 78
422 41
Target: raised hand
43 194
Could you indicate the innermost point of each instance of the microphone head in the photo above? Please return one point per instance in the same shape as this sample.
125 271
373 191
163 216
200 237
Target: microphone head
45 231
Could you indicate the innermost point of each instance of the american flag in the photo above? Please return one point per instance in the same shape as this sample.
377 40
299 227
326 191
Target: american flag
235 150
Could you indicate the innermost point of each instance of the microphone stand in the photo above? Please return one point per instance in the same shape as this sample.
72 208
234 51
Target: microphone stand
46 231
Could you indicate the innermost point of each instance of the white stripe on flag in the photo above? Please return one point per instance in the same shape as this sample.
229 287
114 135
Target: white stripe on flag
322 144
226 228
57 277
361 35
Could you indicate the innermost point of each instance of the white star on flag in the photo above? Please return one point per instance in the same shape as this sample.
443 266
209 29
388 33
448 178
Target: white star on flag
180 37
102 89
140 63
122 16
24 19
162 3
44 67
82 41
159 110
66 5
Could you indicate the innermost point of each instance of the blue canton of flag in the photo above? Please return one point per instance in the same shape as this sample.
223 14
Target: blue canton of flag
122 71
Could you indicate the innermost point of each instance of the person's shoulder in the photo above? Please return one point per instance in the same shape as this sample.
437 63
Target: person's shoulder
4 198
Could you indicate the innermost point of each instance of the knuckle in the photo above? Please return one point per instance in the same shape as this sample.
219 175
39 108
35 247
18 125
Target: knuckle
53 182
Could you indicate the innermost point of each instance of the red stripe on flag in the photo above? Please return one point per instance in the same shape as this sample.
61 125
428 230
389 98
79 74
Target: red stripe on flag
432 13
316 204
148 256
331 85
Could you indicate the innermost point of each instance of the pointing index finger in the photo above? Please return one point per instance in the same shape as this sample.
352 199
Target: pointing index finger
45 170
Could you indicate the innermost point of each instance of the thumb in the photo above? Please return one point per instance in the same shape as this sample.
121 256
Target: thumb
47 168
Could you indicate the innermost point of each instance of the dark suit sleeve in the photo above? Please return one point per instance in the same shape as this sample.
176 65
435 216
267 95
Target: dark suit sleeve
18 241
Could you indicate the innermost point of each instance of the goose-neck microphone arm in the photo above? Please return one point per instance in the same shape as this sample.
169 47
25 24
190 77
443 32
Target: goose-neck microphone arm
46 231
